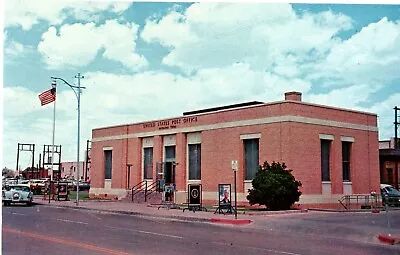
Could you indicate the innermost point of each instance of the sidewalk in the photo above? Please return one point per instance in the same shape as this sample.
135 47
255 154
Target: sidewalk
129 208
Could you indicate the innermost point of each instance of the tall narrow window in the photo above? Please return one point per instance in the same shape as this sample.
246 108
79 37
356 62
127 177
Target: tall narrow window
346 147
194 161
251 157
108 164
325 163
148 163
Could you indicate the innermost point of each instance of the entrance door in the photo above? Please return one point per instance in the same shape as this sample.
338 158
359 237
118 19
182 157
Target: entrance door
169 172
165 173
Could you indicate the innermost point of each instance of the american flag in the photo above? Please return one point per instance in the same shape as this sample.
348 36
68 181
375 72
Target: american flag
48 96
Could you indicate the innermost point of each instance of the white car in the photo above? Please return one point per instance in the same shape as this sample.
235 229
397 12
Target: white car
17 193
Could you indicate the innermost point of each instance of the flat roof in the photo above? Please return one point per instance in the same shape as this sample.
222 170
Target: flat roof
220 108
240 106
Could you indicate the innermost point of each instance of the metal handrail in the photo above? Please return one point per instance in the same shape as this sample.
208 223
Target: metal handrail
137 188
138 184
365 199
143 186
149 190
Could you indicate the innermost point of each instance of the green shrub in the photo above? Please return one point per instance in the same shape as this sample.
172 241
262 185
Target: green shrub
275 187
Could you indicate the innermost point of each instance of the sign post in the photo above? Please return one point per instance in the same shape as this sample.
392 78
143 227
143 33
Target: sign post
234 168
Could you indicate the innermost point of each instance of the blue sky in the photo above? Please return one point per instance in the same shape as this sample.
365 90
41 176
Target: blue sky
155 60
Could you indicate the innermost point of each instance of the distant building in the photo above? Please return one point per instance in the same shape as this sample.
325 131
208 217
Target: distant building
69 170
35 174
389 160
332 151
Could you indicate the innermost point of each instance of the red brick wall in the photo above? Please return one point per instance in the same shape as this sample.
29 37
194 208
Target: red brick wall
135 159
296 144
180 170
157 152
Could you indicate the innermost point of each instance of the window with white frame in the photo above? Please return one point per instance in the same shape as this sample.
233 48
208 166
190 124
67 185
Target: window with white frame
148 163
107 164
251 157
346 154
194 161
325 160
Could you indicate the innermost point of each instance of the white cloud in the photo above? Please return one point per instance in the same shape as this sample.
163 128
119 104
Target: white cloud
14 49
78 44
258 34
19 101
232 53
26 13
370 55
70 46
346 97
120 44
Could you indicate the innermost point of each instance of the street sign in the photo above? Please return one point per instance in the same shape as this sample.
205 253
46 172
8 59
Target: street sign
234 165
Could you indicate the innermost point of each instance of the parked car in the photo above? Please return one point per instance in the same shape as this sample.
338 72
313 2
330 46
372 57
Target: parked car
25 182
82 185
37 183
390 195
17 193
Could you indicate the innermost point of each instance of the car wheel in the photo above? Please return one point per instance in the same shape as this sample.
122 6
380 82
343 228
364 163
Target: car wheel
29 203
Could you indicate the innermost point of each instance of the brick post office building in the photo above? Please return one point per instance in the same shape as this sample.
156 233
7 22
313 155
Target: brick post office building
332 151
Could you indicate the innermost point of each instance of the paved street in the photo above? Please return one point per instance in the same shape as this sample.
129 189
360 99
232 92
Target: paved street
47 230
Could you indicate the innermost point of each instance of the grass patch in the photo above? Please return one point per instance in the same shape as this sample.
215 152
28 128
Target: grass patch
83 195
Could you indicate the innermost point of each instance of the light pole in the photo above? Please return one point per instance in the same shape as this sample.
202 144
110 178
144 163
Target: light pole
78 97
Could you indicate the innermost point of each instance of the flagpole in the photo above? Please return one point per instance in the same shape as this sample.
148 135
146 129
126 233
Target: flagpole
54 131
78 97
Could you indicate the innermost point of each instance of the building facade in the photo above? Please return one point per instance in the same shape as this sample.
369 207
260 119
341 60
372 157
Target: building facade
331 151
389 159
69 170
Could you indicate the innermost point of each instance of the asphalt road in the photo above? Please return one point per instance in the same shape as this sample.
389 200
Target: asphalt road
46 230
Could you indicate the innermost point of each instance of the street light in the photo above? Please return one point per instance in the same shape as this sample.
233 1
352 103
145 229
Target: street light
78 97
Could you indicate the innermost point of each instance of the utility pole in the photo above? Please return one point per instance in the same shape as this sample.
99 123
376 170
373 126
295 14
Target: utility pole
396 145
79 135
78 97
396 124
40 165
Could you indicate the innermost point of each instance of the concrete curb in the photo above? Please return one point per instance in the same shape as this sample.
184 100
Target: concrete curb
230 221
267 213
389 239
340 211
375 210
192 219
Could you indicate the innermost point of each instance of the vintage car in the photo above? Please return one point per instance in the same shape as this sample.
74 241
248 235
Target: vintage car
390 195
17 193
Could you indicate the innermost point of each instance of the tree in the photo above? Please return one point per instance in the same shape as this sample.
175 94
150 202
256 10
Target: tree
5 171
275 187
8 172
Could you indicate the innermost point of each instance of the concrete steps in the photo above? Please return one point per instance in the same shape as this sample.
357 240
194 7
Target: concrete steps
139 197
